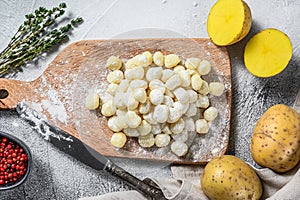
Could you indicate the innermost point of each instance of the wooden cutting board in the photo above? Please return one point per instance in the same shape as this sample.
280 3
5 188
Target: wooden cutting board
60 91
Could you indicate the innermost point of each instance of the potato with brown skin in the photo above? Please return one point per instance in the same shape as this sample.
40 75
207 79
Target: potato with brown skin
275 142
228 177
229 21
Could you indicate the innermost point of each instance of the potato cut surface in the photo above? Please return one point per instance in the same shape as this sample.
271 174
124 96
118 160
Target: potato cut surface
228 21
268 53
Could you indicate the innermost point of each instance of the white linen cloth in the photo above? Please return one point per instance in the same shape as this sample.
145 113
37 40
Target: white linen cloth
185 185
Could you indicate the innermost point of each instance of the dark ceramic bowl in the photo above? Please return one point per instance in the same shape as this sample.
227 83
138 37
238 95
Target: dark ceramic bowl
26 149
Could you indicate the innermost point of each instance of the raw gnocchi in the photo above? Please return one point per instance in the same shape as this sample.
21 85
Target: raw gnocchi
158 99
118 139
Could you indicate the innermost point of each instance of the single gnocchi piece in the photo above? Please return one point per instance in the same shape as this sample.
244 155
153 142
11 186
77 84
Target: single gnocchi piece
178 68
210 113
174 115
121 122
129 101
115 76
182 95
179 148
111 89
133 119
138 84
108 108
185 78
158 58
146 141
193 96
156 96
216 88
173 82
192 63
154 73
134 73
113 63
201 126
139 94
196 82
192 111
144 128
130 64
144 108
203 101
111 123
157 84
148 56
204 68
162 140
131 132
141 60
183 136
92 101
118 139
178 126
189 124
161 113
204 88
171 60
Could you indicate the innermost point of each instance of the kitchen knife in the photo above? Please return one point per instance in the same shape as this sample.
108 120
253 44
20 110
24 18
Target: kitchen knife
296 104
74 147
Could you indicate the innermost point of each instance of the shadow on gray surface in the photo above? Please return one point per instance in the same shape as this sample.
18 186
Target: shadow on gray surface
252 96
236 54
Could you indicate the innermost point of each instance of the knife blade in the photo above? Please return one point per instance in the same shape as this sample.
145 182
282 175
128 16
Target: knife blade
82 152
296 104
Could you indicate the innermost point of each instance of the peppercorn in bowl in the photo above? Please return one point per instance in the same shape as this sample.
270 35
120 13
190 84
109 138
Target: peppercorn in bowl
15 161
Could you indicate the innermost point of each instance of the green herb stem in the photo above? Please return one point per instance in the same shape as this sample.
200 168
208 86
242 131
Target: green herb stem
33 37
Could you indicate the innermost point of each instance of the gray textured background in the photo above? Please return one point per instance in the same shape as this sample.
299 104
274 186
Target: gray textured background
58 176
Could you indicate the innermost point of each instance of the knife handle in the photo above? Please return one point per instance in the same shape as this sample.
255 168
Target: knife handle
149 191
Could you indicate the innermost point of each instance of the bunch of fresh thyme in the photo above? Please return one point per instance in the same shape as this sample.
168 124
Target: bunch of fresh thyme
33 37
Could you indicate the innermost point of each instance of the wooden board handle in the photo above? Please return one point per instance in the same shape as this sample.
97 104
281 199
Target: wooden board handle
12 92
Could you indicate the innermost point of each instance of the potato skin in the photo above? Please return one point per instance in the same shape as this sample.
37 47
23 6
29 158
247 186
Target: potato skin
246 26
275 142
228 177
247 22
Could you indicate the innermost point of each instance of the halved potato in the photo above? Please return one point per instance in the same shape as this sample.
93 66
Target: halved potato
268 53
228 22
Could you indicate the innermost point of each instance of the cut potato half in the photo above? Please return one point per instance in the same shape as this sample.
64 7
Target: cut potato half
228 22
268 53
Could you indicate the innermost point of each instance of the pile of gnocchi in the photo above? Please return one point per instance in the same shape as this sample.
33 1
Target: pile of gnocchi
158 99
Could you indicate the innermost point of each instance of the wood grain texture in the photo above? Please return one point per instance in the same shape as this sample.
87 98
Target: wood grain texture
81 64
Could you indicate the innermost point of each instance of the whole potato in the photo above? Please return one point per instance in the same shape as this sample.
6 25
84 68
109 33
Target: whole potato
275 142
228 177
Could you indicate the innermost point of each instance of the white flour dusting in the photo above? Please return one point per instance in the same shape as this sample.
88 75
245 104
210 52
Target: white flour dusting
39 122
56 110
51 101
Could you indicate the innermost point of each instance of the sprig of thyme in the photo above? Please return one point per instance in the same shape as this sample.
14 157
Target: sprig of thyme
36 35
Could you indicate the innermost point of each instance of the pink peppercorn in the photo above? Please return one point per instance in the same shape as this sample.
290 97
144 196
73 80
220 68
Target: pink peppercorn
13 161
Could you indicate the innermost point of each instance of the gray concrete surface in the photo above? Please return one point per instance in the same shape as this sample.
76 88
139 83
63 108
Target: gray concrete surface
58 176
